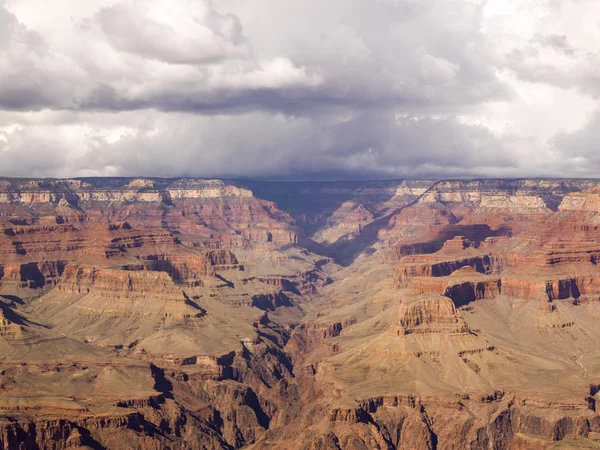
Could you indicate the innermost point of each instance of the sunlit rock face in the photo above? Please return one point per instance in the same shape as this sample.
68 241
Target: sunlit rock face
210 314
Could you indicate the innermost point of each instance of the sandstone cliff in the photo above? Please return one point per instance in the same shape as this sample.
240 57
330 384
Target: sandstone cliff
183 313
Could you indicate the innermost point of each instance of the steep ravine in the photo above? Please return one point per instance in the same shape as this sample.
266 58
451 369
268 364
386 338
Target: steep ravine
194 314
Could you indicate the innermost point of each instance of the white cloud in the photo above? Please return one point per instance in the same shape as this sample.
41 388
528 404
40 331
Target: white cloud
31 73
139 54
271 88
583 143
178 32
438 69
276 73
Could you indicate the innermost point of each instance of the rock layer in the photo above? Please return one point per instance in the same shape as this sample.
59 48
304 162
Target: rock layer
204 314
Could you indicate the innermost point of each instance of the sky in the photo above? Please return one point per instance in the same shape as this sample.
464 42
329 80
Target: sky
300 89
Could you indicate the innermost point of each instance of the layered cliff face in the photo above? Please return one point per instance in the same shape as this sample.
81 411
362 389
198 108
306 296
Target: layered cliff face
204 314
347 222
476 326
457 253
133 276
429 314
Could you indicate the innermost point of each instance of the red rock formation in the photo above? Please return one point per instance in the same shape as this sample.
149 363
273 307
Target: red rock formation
429 314
425 266
117 283
153 313
8 329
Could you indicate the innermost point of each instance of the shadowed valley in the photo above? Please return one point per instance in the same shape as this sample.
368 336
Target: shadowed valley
208 314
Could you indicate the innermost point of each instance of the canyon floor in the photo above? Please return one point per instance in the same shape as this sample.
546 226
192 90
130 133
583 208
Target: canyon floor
224 314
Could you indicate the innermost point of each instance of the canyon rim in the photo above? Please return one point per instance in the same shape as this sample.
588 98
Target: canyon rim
206 314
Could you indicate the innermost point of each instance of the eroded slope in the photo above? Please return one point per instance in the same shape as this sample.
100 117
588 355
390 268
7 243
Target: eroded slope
154 313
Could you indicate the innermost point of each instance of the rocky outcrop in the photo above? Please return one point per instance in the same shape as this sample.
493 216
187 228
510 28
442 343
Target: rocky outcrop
117 283
500 192
520 203
410 267
459 236
465 292
544 288
136 190
429 314
307 338
586 201
190 270
270 302
93 297
222 258
193 189
428 422
347 222
32 275
9 330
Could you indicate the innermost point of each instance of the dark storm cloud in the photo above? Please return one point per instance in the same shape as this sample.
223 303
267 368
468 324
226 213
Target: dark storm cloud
373 144
272 89
583 143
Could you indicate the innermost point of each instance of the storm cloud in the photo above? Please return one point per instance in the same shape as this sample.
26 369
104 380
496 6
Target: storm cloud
299 89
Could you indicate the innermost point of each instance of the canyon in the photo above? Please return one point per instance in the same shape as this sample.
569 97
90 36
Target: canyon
154 313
